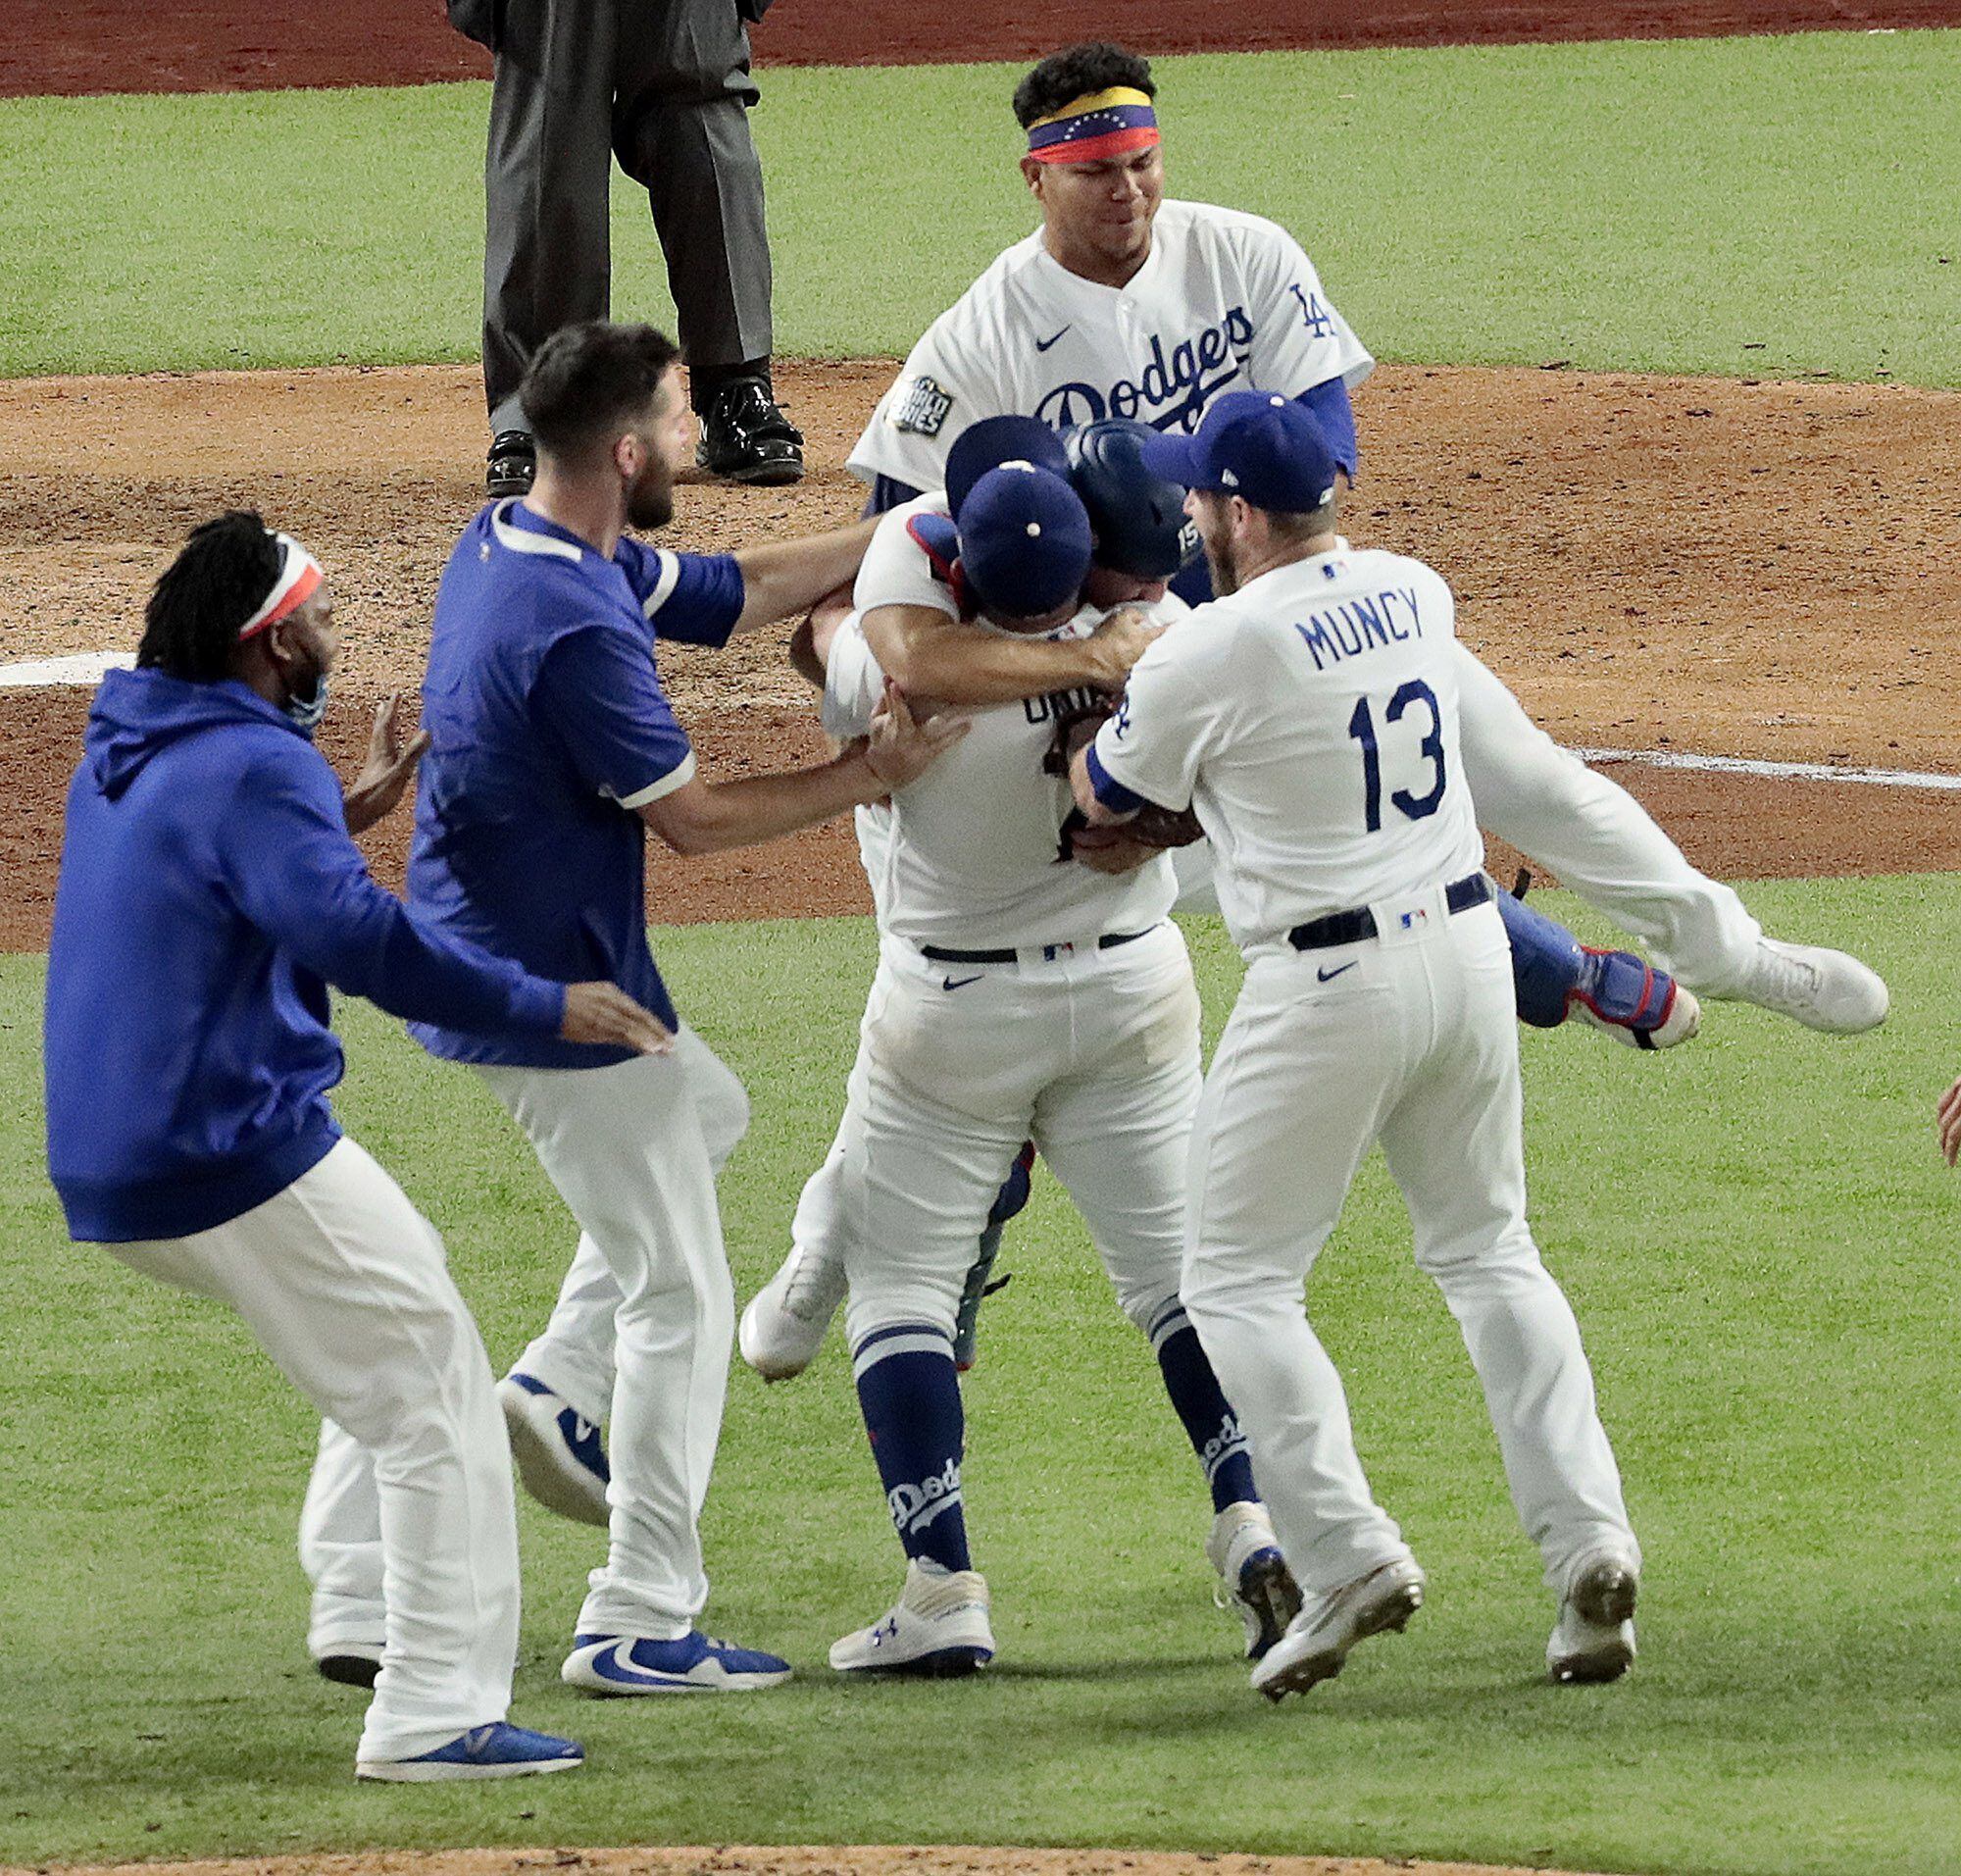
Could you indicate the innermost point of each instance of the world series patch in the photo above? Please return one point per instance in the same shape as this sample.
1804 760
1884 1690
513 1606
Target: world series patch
925 408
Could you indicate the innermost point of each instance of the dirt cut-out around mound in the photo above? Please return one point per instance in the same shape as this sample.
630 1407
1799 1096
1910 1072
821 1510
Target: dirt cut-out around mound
738 1860
1767 569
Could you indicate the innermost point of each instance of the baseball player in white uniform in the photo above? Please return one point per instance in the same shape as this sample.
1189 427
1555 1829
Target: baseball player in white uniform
1311 717
1125 304
1019 994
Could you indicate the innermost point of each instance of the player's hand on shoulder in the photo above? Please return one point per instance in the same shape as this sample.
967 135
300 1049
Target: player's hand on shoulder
1119 642
604 1013
903 742
387 769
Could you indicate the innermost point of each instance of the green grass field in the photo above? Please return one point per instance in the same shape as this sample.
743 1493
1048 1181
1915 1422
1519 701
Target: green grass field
1756 1233
1763 206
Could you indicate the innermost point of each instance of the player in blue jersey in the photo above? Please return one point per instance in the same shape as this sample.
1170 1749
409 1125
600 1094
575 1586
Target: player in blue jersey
552 752
209 894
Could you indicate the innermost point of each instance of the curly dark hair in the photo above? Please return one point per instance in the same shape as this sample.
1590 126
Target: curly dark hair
586 378
1076 71
219 578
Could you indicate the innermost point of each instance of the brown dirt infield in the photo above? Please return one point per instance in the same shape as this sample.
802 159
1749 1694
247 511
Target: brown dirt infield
1748 569
741 1860
66 47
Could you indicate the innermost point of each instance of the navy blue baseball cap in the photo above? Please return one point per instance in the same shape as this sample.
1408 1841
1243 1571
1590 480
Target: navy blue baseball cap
995 440
1024 540
1258 445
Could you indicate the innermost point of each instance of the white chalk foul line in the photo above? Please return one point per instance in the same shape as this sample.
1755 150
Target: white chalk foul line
1779 771
90 667
82 668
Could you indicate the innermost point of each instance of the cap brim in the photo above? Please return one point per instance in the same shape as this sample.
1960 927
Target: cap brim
1174 458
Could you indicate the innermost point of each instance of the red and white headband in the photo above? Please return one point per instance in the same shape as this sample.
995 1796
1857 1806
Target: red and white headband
299 580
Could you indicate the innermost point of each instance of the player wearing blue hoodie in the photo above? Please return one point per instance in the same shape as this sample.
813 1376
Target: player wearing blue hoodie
210 893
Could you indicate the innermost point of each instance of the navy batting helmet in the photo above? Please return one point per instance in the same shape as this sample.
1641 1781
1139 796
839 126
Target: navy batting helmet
1139 517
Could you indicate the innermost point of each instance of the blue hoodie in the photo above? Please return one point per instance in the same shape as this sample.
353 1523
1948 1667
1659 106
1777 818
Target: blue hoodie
209 893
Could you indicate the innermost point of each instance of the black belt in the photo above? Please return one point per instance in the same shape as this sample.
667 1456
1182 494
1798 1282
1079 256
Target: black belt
945 954
1351 928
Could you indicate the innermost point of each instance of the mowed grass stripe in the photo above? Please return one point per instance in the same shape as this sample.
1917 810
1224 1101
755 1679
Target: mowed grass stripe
1756 1234
1764 206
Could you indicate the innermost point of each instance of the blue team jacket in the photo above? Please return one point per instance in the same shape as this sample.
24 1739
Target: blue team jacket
209 894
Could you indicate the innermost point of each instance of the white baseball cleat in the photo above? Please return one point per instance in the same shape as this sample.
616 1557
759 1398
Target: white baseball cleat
784 1324
1253 1576
560 1456
937 1628
1822 989
1319 1639
1594 1639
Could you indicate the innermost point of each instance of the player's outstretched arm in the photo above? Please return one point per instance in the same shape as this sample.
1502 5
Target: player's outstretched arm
390 767
1594 835
788 576
710 817
932 656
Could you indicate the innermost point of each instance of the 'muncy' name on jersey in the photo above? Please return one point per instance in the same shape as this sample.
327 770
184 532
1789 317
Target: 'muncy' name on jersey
1311 721
1226 301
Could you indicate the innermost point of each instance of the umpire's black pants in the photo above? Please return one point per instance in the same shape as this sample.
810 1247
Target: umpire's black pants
665 85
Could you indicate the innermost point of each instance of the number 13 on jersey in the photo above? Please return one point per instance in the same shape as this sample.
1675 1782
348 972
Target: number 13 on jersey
1428 750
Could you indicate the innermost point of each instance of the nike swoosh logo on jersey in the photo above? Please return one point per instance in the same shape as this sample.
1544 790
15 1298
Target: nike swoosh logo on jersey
1325 976
959 982
1042 344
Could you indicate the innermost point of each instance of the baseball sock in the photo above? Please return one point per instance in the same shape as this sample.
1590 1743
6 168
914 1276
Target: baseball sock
1209 1420
910 1395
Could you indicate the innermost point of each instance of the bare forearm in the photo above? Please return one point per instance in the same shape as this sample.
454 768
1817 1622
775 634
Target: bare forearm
756 808
791 576
930 655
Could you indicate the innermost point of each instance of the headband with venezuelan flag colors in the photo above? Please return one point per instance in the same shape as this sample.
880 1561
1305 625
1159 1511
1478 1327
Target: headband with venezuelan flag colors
1097 125
299 580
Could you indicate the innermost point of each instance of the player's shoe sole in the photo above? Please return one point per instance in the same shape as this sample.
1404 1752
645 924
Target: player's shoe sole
1318 1642
1253 1576
1593 1640
559 1459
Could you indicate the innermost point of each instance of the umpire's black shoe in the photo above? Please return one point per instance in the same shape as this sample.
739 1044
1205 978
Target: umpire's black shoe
746 438
513 465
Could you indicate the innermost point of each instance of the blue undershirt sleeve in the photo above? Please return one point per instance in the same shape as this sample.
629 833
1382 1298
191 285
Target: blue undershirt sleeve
887 493
1327 404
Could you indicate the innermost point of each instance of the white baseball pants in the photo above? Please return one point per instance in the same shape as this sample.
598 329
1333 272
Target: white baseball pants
573 1354
1411 1040
345 1286
1092 1054
628 1152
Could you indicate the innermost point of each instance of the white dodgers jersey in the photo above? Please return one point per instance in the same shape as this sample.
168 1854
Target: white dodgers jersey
970 855
1311 721
1225 301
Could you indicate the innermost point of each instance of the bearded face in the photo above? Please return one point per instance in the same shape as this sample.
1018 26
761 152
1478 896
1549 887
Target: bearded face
1212 518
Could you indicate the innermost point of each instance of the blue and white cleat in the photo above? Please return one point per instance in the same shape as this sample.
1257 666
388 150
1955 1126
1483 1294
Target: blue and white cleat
693 1663
497 1751
560 1455
1253 1576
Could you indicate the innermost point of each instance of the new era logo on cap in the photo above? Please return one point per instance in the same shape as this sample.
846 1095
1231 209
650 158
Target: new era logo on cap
1262 447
